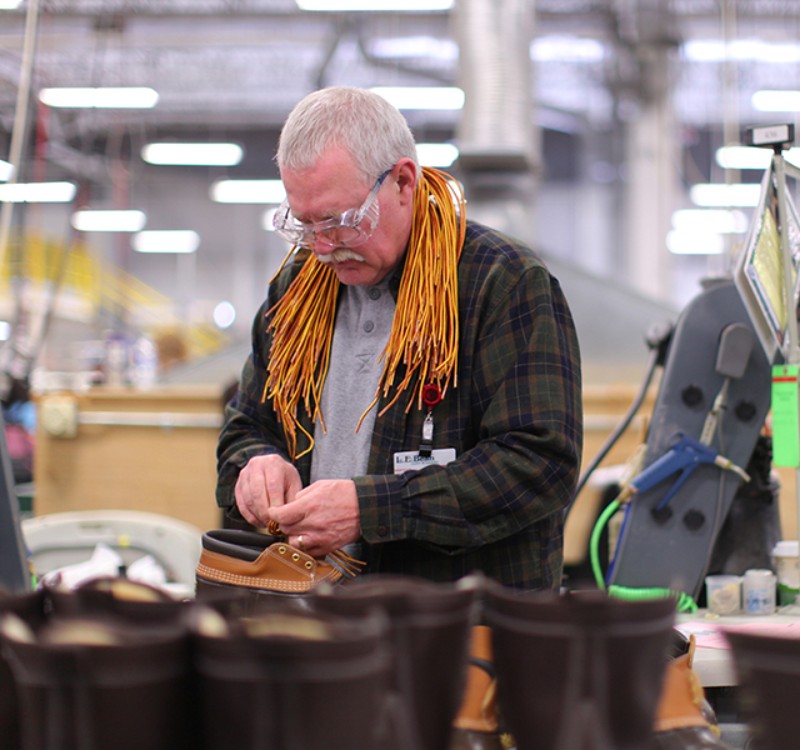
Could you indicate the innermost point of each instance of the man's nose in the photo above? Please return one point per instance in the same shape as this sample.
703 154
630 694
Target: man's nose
324 244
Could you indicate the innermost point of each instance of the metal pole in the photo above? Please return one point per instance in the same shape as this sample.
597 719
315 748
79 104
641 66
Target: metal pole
20 120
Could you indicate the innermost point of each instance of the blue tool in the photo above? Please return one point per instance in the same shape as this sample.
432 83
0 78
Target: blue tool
683 457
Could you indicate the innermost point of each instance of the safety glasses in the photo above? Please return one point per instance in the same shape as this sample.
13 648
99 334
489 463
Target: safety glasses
350 229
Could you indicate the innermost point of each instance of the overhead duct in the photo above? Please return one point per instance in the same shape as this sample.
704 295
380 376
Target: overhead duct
496 132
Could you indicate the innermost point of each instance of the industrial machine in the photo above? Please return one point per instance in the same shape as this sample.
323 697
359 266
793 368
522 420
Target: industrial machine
713 400
709 412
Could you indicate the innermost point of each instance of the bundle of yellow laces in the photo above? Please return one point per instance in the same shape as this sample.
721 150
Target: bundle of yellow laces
424 335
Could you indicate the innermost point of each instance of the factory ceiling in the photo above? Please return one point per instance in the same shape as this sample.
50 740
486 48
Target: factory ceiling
226 67
578 71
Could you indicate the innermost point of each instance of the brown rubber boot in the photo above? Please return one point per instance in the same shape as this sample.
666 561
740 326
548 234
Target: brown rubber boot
91 683
768 667
29 607
579 671
292 680
430 630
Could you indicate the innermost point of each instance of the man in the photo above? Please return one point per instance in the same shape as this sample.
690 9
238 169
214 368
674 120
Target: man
414 384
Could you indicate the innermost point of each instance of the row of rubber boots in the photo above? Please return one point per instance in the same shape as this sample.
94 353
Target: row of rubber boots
383 663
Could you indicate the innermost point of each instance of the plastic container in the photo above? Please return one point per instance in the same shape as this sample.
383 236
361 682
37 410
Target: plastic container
787 565
758 592
724 594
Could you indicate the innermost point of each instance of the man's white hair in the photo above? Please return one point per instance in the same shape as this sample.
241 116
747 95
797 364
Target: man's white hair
372 130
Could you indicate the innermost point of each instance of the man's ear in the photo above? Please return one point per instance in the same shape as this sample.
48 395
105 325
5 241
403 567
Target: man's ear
406 179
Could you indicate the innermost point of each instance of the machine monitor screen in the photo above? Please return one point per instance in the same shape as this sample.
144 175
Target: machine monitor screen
760 275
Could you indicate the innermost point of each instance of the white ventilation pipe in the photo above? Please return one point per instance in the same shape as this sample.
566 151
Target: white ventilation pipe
496 131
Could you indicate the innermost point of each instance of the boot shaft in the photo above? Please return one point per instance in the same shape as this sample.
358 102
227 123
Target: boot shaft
430 626
84 684
31 608
769 674
580 671
291 681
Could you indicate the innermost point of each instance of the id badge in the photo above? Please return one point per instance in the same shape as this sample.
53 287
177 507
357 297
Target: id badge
412 460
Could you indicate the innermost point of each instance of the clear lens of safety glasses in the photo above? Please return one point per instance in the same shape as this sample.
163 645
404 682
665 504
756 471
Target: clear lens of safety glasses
352 228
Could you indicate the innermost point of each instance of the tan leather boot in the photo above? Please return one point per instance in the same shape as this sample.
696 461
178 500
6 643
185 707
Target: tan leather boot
477 724
684 720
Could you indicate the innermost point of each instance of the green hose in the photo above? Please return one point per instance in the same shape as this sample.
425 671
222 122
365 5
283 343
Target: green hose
594 541
684 602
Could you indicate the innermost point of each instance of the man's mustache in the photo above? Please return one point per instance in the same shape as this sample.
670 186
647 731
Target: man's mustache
340 256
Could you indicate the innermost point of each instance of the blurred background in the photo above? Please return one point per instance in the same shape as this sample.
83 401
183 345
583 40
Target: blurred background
590 128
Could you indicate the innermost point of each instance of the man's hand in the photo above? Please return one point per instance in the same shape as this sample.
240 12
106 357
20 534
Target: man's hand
322 517
265 482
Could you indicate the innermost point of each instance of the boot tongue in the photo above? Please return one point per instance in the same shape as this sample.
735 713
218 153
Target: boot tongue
681 702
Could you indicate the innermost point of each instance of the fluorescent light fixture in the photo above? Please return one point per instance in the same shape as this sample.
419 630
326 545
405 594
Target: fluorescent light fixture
743 157
37 192
436 154
749 157
5 327
721 195
694 243
10 4
128 97
769 100
375 5
714 220
6 170
109 220
422 97
415 46
248 191
193 154
756 50
181 241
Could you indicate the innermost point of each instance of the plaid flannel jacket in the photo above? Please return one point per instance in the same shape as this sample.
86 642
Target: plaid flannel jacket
515 420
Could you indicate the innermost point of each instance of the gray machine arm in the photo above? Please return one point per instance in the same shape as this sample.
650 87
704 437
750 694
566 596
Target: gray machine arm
714 395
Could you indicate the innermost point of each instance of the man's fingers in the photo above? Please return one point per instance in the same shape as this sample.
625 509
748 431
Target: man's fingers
287 515
250 498
249 511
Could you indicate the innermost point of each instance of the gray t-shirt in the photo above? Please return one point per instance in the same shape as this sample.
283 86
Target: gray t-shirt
361 332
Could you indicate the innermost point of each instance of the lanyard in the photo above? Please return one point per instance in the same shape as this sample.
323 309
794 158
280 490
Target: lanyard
431 395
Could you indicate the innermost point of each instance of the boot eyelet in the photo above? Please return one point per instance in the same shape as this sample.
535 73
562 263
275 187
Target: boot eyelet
309 565
282 550
295 557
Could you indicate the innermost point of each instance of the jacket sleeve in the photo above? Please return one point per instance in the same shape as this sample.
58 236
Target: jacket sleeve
522 394
250 426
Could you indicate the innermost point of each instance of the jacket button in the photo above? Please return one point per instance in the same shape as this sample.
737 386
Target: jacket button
382 531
